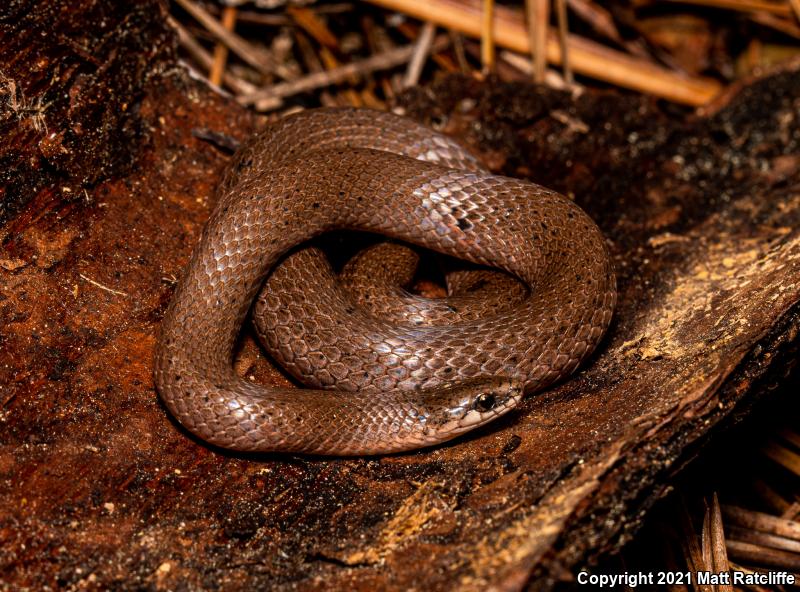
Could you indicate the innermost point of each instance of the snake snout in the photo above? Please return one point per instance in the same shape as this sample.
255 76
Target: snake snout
478 402
496 401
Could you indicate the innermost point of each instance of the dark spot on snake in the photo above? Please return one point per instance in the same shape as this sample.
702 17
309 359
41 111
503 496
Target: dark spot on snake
177 378
578 276
485 402
570 215
464 224
447 370
315 205
350 310
544 226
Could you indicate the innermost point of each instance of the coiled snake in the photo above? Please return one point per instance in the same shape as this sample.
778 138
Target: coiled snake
412 384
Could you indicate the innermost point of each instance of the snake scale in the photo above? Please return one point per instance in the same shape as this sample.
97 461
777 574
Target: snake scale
378 386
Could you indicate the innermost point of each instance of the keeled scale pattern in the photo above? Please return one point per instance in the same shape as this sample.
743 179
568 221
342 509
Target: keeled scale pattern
376 279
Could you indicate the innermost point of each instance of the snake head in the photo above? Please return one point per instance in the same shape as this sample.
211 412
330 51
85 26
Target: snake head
457 408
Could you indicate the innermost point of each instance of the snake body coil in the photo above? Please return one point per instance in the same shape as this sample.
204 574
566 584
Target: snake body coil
412 385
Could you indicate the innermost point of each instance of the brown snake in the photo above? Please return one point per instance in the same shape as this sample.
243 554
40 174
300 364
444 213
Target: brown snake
414 385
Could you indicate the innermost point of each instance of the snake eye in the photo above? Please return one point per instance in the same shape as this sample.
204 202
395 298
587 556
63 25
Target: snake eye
484 402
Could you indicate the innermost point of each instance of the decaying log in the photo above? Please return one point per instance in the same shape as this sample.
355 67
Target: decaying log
105 188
